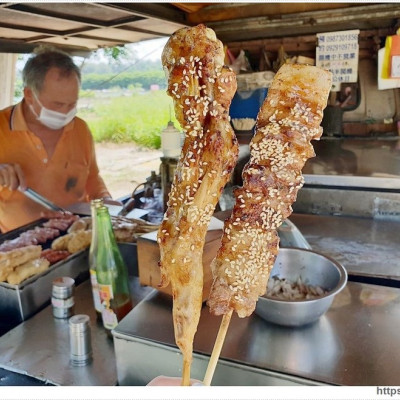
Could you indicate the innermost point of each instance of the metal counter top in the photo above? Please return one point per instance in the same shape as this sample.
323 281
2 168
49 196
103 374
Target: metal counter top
355 343
39 347
366 247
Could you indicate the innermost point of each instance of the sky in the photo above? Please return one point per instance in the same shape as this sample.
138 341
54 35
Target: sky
154 47
148 49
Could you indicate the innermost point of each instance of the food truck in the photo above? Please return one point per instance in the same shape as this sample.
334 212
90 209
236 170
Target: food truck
348 210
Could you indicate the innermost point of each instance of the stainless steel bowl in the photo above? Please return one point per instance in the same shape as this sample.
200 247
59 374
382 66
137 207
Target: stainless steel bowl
314 269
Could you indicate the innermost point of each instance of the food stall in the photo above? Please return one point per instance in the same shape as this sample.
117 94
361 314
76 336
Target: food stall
256 352
348 210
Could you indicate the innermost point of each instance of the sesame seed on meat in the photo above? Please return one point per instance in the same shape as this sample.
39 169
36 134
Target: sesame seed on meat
287 121
209 153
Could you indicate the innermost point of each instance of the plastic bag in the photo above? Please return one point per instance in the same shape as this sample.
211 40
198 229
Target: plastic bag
241 64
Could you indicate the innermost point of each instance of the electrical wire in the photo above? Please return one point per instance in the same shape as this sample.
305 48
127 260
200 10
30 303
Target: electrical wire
129 66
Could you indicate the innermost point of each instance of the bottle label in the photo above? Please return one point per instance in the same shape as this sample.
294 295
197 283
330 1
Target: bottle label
110 320
95 291
106 294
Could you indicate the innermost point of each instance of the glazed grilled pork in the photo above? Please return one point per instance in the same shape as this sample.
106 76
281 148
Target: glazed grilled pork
202 90
287 121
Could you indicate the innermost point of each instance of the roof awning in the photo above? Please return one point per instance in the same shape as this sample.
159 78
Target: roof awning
81 27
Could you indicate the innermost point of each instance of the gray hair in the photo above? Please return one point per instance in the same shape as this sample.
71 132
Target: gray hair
39 64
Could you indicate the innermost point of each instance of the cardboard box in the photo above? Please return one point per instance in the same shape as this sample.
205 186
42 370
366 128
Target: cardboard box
149 254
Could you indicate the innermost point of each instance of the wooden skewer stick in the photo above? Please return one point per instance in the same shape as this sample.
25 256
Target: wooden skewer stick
219 342
186 372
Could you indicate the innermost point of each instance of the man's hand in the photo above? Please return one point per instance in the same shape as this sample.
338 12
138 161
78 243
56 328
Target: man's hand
12 176
172 381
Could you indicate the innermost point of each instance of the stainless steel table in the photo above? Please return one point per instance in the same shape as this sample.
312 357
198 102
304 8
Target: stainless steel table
366 247
355 343
39 347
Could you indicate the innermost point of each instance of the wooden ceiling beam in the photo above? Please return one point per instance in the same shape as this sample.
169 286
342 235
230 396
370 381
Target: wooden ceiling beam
160 11
190 7
26 9
20 47
88 24
360 17
231 11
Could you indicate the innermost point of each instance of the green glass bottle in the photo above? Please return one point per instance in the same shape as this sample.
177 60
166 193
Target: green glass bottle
111 272
94 205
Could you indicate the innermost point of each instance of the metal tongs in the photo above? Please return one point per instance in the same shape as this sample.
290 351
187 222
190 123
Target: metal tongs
290 236
127 207
35 196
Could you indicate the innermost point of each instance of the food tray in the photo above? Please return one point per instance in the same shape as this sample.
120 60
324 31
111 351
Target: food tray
19 302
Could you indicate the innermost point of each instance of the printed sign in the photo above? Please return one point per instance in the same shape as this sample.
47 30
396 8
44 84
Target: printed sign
338 53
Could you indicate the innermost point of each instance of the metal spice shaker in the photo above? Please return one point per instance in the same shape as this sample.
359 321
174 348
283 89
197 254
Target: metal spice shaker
80 340
62 298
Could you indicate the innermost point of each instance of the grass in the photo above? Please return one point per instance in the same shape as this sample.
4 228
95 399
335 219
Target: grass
127 116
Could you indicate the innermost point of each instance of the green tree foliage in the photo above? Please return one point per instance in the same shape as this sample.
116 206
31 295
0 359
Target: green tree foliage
116 52
112 67
18 89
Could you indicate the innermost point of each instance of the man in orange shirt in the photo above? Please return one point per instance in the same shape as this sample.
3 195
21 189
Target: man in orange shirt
44 146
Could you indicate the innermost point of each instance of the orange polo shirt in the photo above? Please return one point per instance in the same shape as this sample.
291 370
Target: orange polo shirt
71 175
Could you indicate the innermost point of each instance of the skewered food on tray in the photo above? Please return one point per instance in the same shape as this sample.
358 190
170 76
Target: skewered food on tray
126 230
54 256
37 235
19 256
52 233
28 269
10 260
73 242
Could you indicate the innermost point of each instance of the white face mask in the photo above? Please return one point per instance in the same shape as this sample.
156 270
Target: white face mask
53 119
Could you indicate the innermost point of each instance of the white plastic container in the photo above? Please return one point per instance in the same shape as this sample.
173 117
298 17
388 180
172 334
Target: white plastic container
171 141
